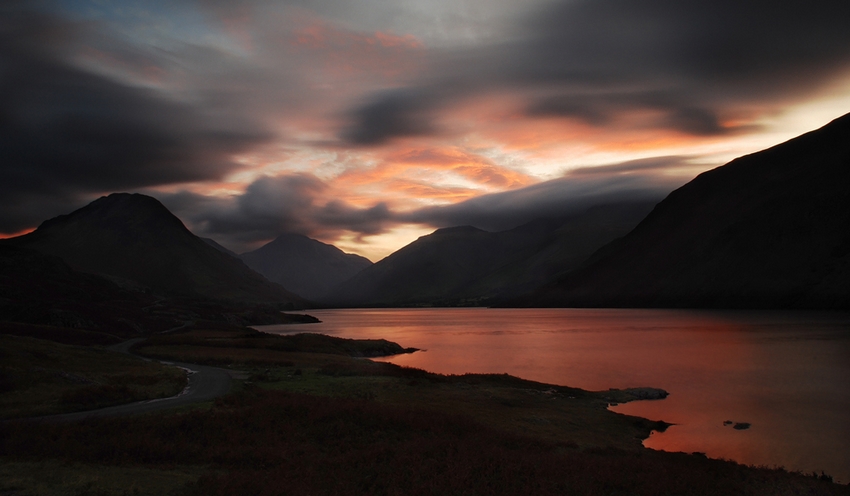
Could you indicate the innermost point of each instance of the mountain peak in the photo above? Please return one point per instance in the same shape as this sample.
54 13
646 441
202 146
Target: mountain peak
120 211
304 265
134 237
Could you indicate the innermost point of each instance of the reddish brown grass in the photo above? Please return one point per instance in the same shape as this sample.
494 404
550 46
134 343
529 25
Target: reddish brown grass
265 443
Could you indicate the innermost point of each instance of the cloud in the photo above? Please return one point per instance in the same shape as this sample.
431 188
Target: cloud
576 191
298 203
68 132
267 97
270 206
392 114
471 166
693 66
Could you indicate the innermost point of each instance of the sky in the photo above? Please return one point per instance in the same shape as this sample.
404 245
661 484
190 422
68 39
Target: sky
369 123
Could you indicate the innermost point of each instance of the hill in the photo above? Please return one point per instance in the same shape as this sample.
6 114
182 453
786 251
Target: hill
767 230
468 266
304 266
135 241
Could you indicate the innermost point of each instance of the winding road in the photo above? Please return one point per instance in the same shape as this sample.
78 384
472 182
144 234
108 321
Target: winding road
205 383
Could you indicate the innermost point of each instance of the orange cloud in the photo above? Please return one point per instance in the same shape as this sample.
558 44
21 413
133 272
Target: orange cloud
500 120
410 176
474 167
424 191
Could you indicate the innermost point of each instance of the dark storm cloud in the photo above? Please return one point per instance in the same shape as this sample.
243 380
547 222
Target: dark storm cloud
67 132
271 206
690 63
393 114
268 206
364 221
294 204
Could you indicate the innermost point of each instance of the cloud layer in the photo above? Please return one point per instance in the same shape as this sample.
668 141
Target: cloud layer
356 120
696 67
66 131
299 203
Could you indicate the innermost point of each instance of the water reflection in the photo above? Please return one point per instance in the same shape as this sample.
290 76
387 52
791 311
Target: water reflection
787 374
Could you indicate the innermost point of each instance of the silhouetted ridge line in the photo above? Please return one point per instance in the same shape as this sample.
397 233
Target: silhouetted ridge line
134 240
767 230
308 267
467 266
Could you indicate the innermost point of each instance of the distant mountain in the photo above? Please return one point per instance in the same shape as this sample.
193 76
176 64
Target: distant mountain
468 266
135 241
303 265
768 230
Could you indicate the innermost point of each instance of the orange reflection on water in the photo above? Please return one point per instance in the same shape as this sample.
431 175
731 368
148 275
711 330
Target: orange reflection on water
788 375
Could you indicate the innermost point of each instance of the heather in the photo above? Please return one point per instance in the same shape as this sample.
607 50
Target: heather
262 442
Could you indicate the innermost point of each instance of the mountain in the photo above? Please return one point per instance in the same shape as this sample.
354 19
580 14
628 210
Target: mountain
43 290
41 296
135 241
305 266
469 266
767 230
218 247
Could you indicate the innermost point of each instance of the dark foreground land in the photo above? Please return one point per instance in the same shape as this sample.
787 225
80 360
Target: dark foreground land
308 415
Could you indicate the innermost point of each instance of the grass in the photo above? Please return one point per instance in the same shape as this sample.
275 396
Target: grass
210 340
39 377
50 477
570 416
321 365
261 442
62 335
310 419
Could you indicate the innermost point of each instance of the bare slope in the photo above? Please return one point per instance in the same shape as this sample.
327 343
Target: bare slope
768 230
469 266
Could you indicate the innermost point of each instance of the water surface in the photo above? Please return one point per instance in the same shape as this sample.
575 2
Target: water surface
787 374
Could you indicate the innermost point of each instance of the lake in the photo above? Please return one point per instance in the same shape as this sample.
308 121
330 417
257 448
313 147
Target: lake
785 373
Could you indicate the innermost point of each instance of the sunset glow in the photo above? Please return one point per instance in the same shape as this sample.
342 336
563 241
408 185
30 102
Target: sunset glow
356 124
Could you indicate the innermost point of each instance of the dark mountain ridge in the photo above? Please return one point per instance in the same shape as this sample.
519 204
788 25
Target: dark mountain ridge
303 265
468 266
767 230
41 296
135 241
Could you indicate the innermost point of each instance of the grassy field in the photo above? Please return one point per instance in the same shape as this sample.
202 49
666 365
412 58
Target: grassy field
40 377
51 477
311 419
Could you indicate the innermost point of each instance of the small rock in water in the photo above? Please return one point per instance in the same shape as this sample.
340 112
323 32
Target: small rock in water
741 425
728 422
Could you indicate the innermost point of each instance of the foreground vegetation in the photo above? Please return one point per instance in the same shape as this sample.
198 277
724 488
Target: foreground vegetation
310 419
40 377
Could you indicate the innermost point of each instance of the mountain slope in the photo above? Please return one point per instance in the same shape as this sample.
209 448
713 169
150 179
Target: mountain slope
220 248
305 266
135 240
564 249
768 230
465 265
